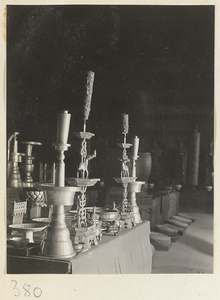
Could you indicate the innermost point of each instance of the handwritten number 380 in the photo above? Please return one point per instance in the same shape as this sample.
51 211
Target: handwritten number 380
37 292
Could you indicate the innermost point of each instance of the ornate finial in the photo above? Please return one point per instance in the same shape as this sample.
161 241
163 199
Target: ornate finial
125 125
88 96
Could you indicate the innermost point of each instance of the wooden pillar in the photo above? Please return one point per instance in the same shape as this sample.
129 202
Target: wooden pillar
194 159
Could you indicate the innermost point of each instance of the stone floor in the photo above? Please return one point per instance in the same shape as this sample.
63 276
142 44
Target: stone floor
193 252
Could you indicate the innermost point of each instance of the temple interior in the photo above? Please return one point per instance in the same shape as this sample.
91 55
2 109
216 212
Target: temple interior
110 136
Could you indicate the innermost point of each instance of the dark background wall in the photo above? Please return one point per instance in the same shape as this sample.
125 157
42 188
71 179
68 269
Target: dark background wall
154 62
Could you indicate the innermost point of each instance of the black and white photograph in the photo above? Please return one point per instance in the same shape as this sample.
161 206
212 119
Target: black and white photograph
110 143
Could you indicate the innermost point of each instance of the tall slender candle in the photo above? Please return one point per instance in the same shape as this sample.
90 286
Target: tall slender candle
125 124
63 123
15 145
88 94
135 146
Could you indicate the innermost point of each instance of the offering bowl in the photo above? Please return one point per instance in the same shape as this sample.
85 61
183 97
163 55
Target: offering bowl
109 215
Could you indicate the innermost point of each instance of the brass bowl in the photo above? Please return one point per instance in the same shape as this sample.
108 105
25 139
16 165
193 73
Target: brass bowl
109 215
19 242
60 195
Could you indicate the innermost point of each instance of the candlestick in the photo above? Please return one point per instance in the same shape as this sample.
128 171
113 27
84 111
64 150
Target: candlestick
135 147
88 96
56 241
29 166
125 124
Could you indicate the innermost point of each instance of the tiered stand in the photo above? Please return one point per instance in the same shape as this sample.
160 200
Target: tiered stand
85 234
125 209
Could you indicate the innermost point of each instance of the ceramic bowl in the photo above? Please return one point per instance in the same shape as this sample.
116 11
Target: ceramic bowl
19 242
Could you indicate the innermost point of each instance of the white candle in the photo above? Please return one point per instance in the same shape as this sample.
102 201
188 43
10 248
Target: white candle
135 146
15 145
63 124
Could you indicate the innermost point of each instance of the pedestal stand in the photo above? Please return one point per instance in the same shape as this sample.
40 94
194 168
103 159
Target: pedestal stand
56 242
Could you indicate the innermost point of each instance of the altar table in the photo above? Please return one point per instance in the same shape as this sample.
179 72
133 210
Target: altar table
130 252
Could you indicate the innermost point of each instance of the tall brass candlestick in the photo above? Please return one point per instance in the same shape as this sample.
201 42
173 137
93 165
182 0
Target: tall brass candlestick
135 187
14 158
29 166
125 179
56 242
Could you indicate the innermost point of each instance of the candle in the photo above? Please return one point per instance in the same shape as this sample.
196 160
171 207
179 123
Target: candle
125 124
88 96
135 146
15 145
63 123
